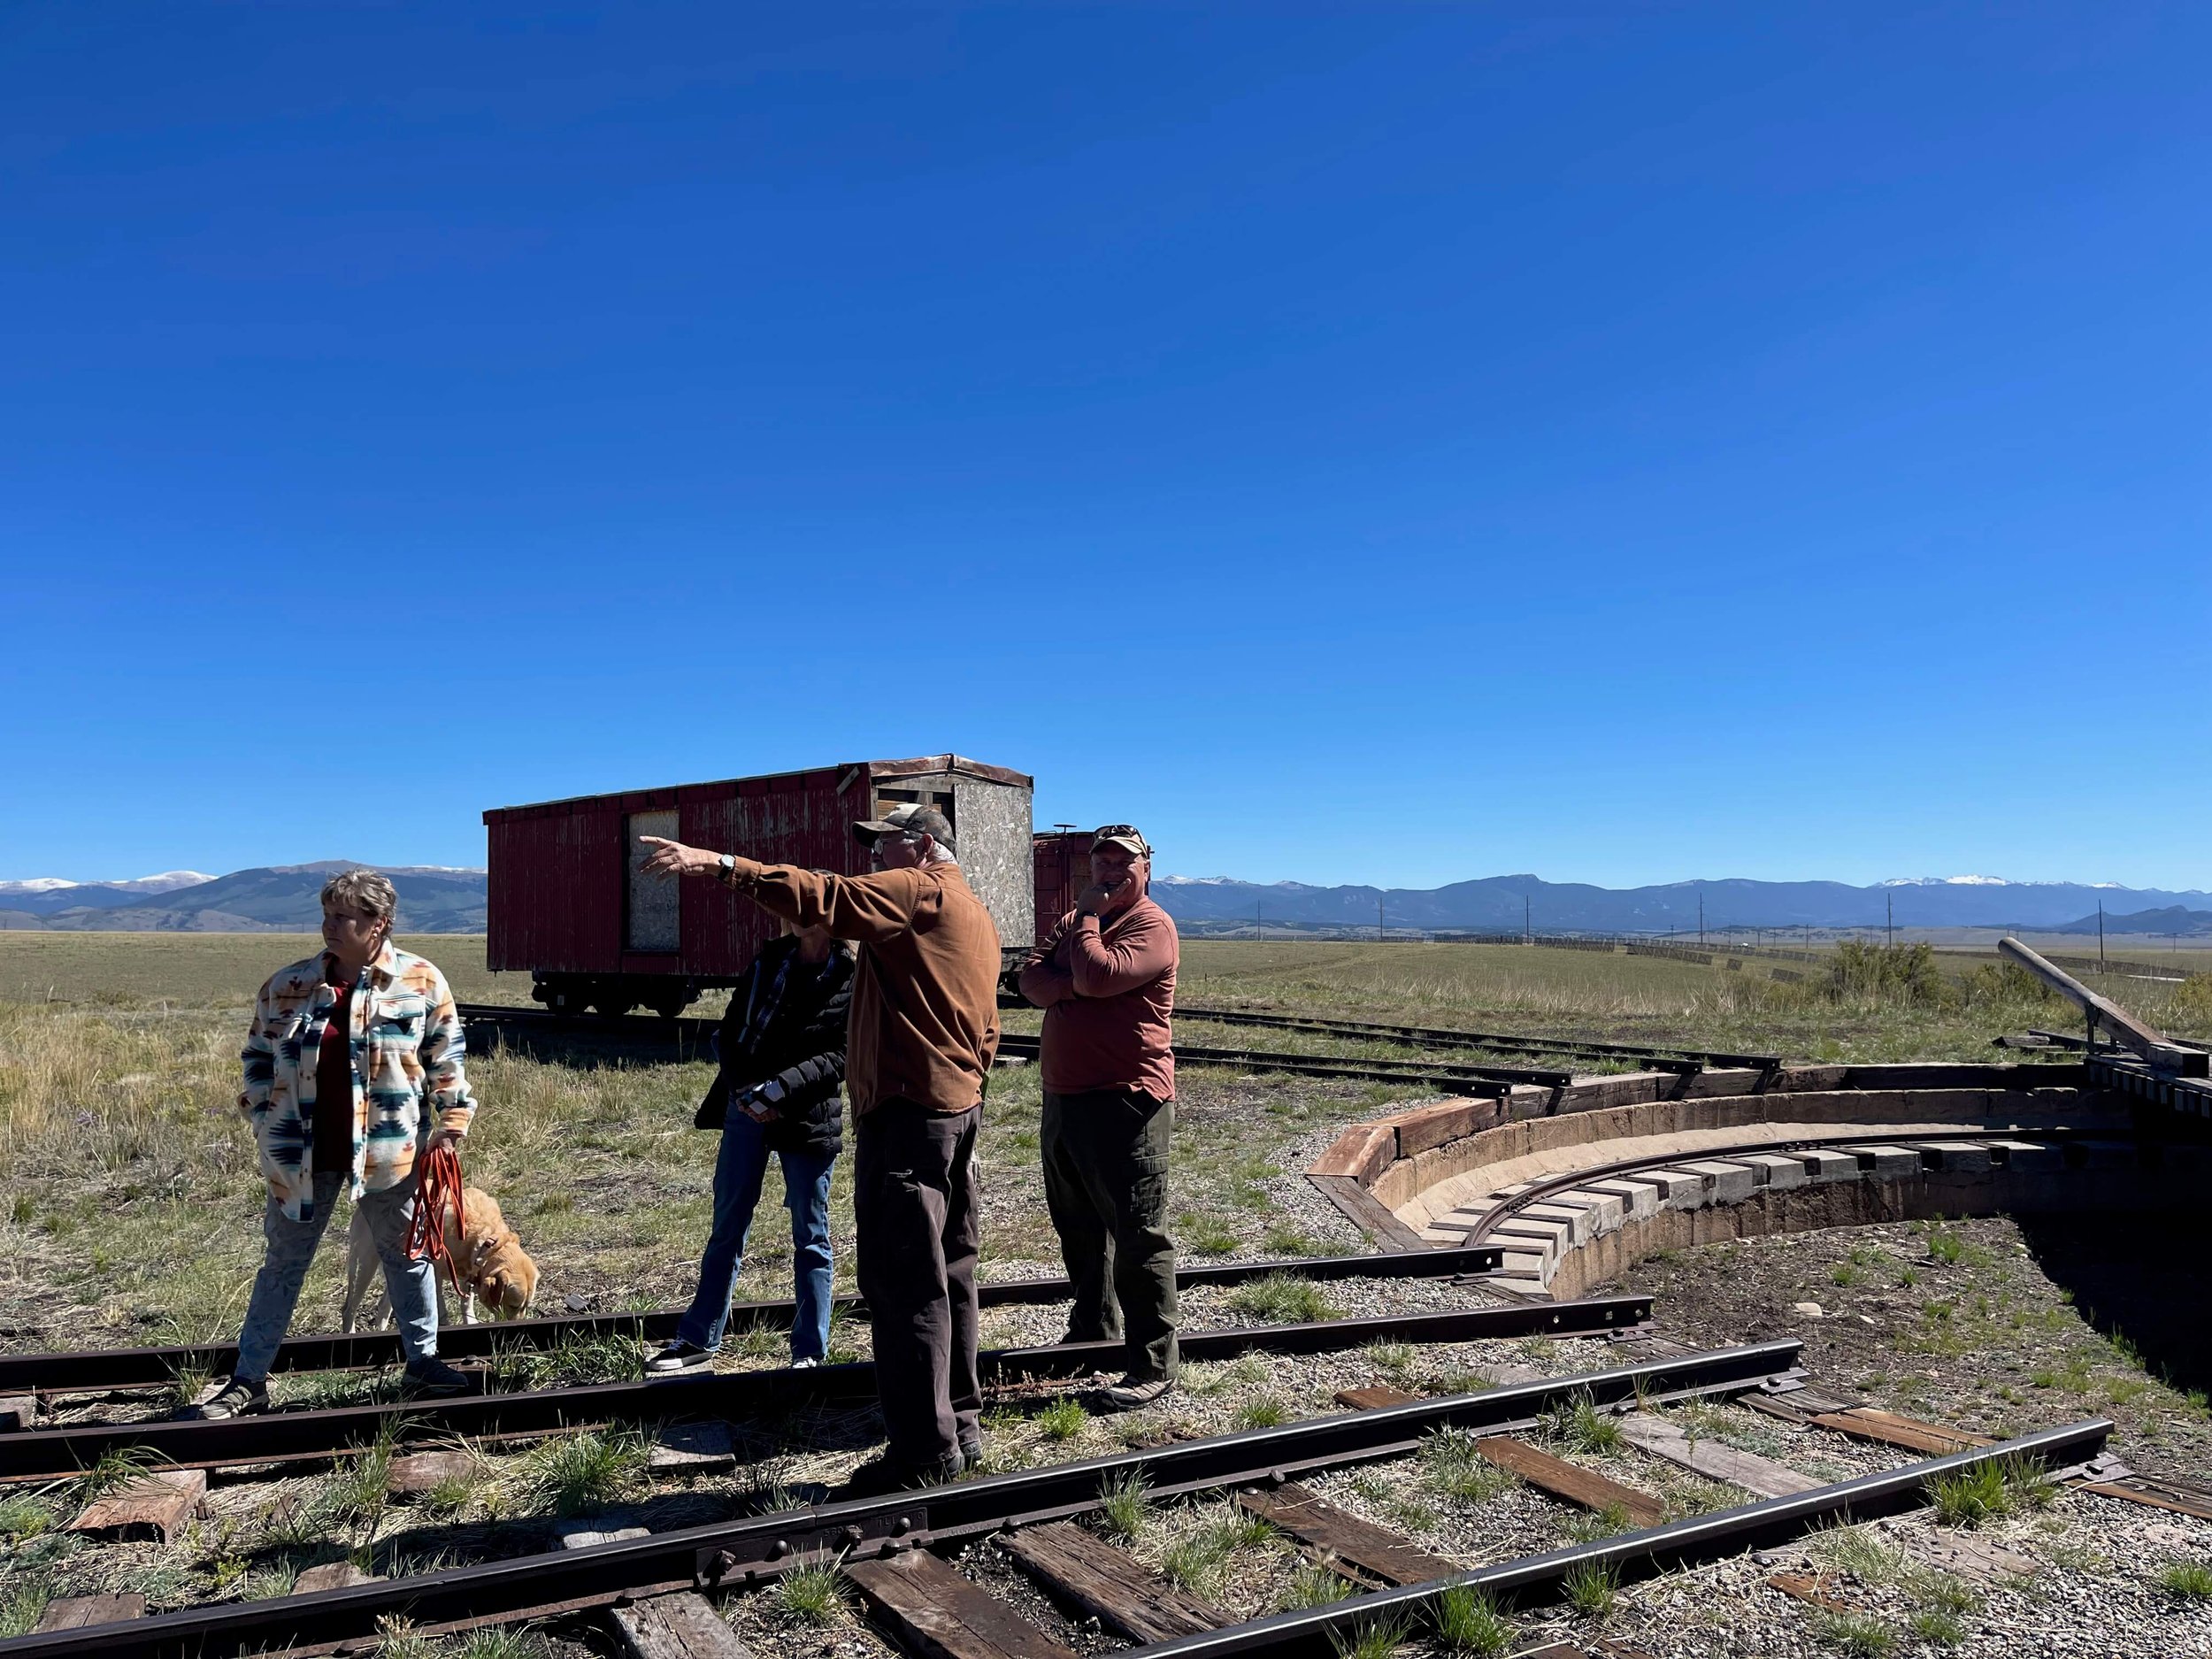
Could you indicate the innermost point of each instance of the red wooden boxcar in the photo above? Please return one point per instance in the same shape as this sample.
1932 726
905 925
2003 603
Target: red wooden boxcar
570 902
1062 859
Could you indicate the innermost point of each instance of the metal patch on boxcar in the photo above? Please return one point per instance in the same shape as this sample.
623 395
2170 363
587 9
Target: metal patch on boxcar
652 920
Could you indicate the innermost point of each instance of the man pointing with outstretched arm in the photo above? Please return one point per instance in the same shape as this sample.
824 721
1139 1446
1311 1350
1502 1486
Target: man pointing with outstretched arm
923 1033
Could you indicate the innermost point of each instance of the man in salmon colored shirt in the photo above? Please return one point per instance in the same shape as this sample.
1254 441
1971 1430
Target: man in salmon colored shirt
1105 978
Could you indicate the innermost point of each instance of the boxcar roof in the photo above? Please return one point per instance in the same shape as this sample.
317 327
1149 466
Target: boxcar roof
767 782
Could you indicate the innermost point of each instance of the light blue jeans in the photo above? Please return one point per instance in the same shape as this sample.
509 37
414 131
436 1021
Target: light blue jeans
291 1247
739 1170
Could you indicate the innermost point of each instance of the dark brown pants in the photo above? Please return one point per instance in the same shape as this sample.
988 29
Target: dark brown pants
918 1221
1105 1162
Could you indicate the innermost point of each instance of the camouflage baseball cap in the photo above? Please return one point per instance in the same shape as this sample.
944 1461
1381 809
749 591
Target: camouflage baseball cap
908 817
1121 836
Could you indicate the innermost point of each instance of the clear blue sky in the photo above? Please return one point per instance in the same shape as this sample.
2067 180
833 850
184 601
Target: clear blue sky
1355 443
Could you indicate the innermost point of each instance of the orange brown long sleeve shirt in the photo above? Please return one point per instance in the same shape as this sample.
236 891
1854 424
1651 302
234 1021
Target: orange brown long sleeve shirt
924 1026
1108 991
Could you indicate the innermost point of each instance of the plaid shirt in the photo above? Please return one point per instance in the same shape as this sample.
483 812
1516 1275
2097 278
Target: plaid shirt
406 1047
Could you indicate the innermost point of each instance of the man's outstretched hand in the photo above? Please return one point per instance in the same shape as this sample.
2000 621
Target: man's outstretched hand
673 858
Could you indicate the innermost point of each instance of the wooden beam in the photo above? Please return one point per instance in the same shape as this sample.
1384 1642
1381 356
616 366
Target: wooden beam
1868 1423
1358 1549
1369 1213
74 1612
2117 1022
680 1626
154 1506
1708 1458
940 1615
2172 1495
1109 1584
1593 1491
1374 1397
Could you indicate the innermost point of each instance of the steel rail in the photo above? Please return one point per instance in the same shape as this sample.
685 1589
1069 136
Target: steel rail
81 1371
281 1436
1671 1056
1545 1191
760 1547
1443 1074
1451 1074
1532 1579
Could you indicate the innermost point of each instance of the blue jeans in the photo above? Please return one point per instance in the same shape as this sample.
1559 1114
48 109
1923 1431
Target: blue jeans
276 1288
739 1170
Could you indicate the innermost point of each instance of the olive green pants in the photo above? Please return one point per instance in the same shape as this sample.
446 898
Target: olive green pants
1105 1168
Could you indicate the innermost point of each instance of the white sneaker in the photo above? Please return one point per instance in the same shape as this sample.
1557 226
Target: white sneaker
805 1364
1132 1392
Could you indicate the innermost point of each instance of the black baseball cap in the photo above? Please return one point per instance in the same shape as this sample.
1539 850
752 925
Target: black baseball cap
910 817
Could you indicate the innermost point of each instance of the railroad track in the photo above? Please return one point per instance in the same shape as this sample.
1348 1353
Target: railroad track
1453 1076
1661 1057
101 1370
887 1547
310 1435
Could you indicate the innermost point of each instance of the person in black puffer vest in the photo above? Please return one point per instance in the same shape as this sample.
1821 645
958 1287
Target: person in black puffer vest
781 1046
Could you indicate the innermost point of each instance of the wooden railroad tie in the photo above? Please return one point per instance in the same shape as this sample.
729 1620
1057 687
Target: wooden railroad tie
1588 1488
1110 1585
679 1626
1352 1547
74 1612
940 1615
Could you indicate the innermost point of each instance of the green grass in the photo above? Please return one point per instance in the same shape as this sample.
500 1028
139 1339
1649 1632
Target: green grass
22 1605
1377 1640
1062 1420
1283 1299
1937 1628
811 1595
500 1644
24 1515
1591 1589
1855 1635
1198 1562
1468 1622
1311 1586
1605 1522
1264 1412
1970 1496
1125 1505
1452 1467
2186 1580
1580 1426
585 1473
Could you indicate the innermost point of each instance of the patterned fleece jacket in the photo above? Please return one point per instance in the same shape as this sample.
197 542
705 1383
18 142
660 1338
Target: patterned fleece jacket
406 1049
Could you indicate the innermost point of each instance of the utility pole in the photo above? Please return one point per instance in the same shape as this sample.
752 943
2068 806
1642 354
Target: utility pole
1528 927
1889 903
1701 919
1378 925
1255 918
2101 933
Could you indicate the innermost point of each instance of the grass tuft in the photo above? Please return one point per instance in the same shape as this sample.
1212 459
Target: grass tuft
585 1473
1311 1586
1452 1466
810 1594
1284 1299
2186 1580
1125 1505
1377 1640
1581 1426
1855 1635
1062 1420
1265 1412
1468 1622
1591 1589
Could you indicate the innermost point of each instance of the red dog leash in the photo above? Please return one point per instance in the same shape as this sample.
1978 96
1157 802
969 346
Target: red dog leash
437 1189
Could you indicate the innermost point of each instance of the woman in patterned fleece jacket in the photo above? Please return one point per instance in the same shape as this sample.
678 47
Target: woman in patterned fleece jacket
350 1055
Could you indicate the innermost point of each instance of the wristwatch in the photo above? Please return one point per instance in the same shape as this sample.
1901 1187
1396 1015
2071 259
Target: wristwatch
727 869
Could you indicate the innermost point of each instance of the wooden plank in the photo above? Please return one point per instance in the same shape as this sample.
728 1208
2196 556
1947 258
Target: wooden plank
2158 1494
1358 1549
942 1615
1609 1649
1361 1152
694 1448
1866 1423
331 1575
681 1626
1811 1590
1972 1557
1369 1213
74 1612
1109 1584
154 1506
1374 1397
1577 1485
18 1412
1713 1460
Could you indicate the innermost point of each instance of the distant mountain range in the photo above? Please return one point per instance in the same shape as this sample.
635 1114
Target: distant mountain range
281 898
1501 903
2171 921
276 899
